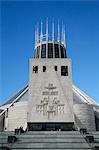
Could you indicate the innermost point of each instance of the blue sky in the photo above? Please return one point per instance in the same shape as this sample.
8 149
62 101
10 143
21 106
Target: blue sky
17 42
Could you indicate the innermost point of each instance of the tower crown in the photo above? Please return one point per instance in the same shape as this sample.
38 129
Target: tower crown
50 45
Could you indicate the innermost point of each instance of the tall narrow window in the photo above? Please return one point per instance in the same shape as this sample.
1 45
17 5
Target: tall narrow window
55 67
43 52
64 70
56 51
35 69
62 52
50 50
44 68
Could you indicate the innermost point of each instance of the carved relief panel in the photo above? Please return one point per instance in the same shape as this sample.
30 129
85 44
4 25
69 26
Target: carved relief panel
50 105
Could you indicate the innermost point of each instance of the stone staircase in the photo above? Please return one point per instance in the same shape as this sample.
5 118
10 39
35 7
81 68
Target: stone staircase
52 140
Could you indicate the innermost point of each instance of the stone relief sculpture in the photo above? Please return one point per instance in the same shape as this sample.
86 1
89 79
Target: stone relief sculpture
50 105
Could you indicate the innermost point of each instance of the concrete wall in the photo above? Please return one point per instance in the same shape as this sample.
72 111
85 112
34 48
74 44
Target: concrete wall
2 122
39 103
17 116
84 116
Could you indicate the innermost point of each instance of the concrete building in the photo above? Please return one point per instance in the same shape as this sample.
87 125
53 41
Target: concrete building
50 101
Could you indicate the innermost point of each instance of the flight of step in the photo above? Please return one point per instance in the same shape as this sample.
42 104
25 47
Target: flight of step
49 140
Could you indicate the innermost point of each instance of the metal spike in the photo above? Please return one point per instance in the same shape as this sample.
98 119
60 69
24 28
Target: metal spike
62 37
47 29
41 32
58 32
53 30
46 37
35 35
53 37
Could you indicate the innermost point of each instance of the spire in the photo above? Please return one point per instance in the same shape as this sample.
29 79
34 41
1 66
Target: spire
40 37
46 37
58 39
35 35
62 36
53 30
53 36
41 32
47 29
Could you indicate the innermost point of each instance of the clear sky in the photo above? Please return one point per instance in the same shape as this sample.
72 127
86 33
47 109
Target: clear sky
17 42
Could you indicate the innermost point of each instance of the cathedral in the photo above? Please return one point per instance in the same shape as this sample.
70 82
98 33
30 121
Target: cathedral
50 102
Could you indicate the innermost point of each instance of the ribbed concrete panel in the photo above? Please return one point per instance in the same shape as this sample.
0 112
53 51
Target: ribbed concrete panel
84 116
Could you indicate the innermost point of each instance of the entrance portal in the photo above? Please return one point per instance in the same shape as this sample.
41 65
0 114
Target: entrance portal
50 126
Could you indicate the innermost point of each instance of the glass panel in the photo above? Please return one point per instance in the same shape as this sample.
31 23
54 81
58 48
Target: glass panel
43 52
62 52
50 50
64 70
56 51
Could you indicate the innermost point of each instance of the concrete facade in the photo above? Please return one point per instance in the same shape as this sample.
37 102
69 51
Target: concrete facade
50 94
86 115
50 98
